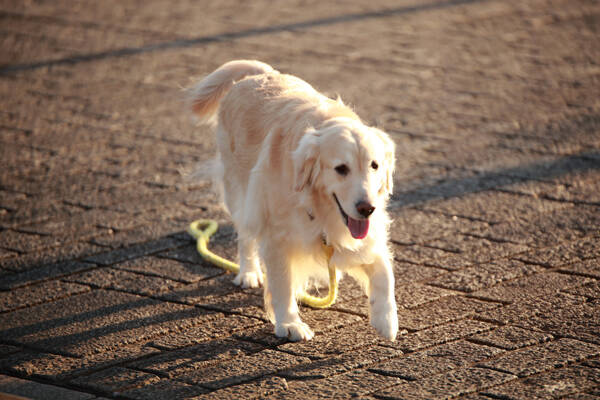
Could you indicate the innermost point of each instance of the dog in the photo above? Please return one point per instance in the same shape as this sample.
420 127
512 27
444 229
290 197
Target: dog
297 168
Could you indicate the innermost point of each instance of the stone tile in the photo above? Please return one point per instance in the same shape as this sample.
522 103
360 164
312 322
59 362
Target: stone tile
327 367
542 357
353 384
56 255
186 360
97 321
589 289
587 268
268 387
494 206
243 369
564 254
482 276
131 282
135 251
446 309
413 226
436 360
414 294
543 284
560 315
472 249
559 383
566 224
59 368
511 337
39 293
42 273
114 380
214 325
441 334
219 293
170 269
406 273
33 390
165 389
333 342
444 386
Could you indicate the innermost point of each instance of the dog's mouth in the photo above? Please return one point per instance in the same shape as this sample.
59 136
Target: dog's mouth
358 227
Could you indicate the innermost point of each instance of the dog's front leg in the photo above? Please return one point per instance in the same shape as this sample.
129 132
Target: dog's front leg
382 302
282 294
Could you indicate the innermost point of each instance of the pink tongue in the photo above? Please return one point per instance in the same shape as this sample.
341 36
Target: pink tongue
358 227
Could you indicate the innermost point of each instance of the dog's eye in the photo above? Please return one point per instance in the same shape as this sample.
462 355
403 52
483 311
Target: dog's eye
374 165
342 169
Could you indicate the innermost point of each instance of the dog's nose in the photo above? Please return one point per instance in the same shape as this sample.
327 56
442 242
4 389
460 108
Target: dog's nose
365 209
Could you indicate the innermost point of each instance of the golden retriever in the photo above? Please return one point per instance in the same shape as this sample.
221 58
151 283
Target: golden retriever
296 168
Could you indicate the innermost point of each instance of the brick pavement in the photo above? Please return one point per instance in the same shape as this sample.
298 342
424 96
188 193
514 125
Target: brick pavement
495 111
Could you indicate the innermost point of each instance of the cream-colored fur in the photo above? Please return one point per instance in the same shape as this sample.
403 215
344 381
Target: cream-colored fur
285 153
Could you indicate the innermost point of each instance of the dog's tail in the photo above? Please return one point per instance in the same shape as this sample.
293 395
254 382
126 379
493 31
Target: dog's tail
206 94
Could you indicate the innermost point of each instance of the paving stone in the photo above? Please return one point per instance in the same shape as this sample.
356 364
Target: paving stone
446 309
441 334
417 227
34 390
590 289
6 349
511 337
485 275
243 369
543 284
131 282
355 384
39 293
564 254
43 273
547 229
114 380
268 387
437 360
587 268
56 255
493 206
220 294
558 383
170 269
165 390
560 315
97 321
333 342
450 384
542 357
324 368
216 325
188 359
406 272
133 252
60 368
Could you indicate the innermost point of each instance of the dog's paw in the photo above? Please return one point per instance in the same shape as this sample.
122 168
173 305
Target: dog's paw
252 279
384 318
295 331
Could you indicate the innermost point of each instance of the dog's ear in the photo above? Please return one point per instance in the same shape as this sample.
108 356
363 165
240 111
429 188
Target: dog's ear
306 160
390 159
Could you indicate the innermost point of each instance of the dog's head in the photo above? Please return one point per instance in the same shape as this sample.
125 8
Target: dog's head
349 166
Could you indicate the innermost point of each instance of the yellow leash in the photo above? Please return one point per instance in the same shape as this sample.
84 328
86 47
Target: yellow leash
203 229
